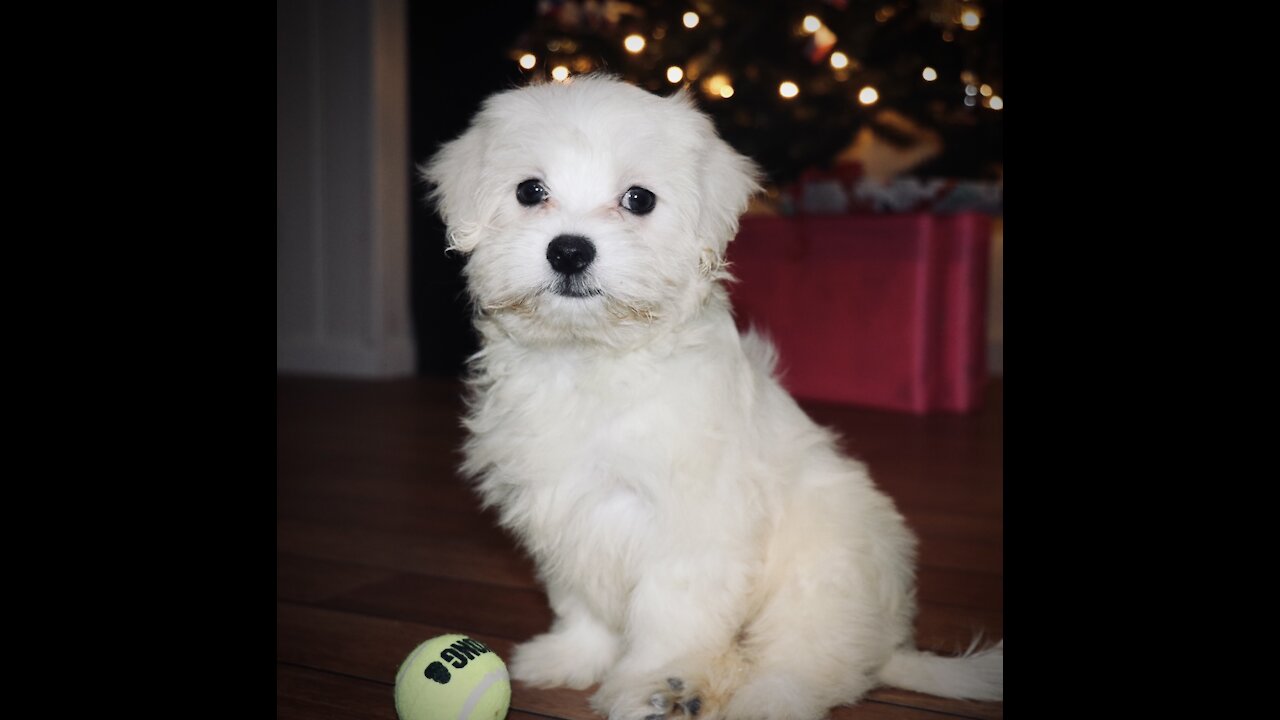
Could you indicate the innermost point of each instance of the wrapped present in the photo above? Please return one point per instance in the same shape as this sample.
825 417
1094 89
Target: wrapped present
887 311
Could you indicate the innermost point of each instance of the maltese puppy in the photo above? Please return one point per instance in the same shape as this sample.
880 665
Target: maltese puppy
706 548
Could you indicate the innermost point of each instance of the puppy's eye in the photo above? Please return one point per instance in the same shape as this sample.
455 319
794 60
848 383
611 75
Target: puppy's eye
531 192
639 201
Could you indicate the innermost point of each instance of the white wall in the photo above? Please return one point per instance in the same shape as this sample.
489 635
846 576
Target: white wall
342 188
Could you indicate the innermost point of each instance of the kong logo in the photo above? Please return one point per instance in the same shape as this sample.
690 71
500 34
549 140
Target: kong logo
461 651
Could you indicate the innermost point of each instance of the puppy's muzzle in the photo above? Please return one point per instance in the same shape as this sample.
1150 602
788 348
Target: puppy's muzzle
570 254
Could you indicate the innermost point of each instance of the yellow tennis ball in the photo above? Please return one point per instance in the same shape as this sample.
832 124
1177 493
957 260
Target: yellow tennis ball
452 677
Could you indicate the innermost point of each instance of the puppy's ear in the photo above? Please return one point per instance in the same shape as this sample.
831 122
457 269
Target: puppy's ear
454 174
727 181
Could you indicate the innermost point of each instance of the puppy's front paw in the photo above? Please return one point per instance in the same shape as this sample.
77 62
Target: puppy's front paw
558 659
670 698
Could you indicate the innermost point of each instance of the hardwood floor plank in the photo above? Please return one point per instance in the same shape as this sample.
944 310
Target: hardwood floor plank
951 525
980 557
963 708
881 711
941 586
306 694
310 580
512 613
345 643
350 479
406 552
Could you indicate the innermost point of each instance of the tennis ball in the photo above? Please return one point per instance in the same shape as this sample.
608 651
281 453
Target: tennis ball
452 677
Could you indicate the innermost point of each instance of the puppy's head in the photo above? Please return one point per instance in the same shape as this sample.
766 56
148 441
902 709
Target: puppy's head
590 210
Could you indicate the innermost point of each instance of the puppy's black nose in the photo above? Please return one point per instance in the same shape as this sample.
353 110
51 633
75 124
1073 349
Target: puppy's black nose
570 254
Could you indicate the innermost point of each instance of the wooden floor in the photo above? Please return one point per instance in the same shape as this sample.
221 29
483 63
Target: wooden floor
379 546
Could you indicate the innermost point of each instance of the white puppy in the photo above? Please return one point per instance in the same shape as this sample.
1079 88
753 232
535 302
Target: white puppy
705 547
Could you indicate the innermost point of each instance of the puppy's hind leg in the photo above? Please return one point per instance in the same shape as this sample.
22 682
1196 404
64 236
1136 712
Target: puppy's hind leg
575 654
803 656
835 600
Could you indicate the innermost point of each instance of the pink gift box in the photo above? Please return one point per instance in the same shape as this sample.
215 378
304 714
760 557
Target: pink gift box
887 311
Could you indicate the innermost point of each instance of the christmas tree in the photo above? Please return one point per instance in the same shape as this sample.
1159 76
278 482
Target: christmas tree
791 83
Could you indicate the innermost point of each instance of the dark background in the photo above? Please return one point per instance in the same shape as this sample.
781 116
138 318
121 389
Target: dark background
457 58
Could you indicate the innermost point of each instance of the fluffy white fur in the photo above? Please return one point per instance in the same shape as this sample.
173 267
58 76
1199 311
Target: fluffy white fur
706 548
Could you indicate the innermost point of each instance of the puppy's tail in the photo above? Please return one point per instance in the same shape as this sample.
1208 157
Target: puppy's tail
974 675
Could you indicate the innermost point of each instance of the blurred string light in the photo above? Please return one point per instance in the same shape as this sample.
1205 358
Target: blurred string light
662 43
823 40
716 85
